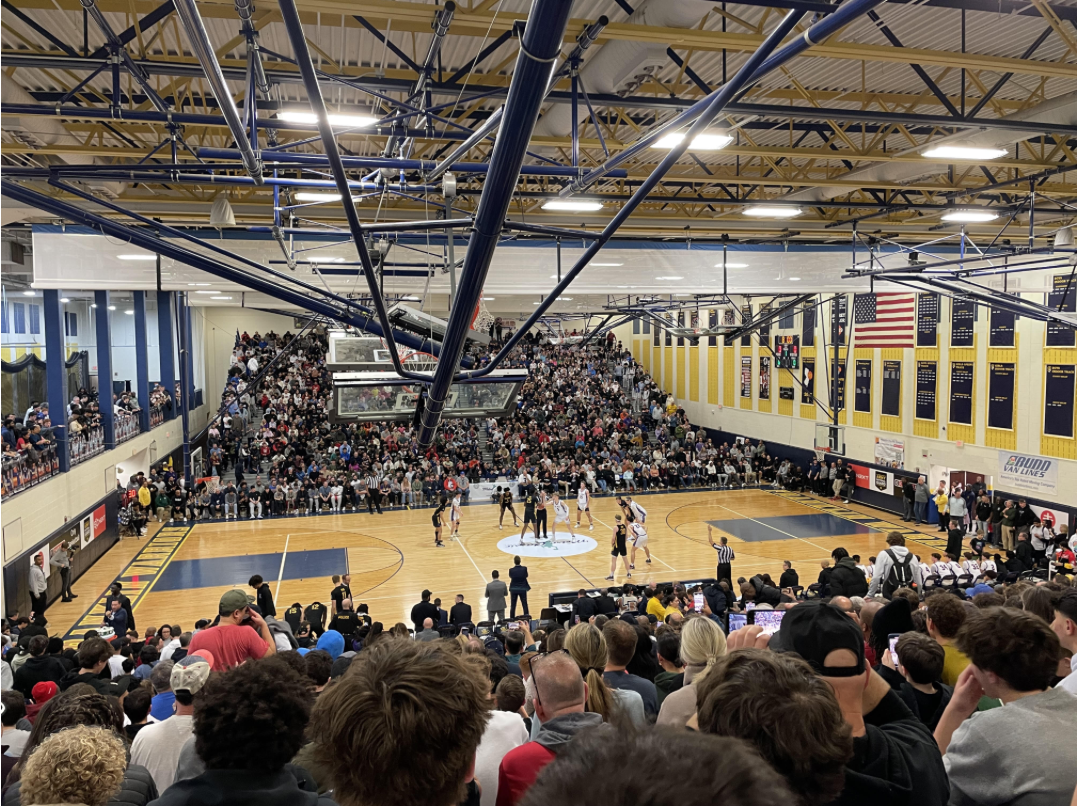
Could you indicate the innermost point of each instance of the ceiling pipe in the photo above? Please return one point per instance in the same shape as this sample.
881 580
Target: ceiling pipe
90 6
540 44
816 33
584 40
204 52
1059 111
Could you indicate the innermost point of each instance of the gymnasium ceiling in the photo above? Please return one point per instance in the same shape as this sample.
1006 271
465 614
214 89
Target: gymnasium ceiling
839 129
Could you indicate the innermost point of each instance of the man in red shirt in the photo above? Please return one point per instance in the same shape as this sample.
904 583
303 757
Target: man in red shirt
560 706
233 640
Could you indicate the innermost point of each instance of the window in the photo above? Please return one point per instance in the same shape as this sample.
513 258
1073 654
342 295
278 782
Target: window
19 315
35 319
71 325
5 326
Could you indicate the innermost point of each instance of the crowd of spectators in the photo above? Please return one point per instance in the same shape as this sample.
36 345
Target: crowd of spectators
852 700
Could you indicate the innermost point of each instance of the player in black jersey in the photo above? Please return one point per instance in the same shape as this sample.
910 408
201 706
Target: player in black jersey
540 500
438 519
530 513
618 547
506 502
294 616
315 615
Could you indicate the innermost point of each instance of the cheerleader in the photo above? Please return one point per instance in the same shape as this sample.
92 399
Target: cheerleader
618 547
562 514
583 498
438 520
455 514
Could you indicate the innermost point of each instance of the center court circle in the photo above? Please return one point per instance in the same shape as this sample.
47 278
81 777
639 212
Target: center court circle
562 546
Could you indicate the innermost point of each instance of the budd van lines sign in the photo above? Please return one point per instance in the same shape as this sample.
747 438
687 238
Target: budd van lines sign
1022 471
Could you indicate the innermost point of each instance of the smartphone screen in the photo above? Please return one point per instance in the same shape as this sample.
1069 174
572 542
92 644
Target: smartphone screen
699 601
892 649
769 620
736 621
464 630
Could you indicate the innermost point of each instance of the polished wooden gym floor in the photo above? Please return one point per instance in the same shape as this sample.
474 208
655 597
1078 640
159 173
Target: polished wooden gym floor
178 572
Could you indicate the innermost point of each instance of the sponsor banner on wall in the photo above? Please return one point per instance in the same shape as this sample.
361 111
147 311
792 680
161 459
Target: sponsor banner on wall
1055 516
98 521
881 481
889 452
86 533
1022 471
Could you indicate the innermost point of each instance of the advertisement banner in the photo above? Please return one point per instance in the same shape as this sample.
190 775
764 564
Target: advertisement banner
98 522
1021 471
881 481
86 534
1055 516
889 452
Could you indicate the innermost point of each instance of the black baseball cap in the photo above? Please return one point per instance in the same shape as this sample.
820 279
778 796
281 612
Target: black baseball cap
814 629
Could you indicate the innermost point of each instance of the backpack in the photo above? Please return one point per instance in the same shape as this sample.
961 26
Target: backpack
900 575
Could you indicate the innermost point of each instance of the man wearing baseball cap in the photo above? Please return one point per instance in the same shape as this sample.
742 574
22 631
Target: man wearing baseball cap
895 759
157 746
241 633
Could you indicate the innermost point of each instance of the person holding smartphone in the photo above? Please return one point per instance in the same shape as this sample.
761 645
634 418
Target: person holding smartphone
232 641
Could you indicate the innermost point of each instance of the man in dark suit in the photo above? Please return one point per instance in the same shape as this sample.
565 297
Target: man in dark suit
422 610
460 613
519 588
584 608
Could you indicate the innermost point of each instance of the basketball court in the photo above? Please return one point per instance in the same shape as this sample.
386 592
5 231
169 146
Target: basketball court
178 572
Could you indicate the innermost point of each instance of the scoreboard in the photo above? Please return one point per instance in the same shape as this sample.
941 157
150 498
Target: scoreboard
787 352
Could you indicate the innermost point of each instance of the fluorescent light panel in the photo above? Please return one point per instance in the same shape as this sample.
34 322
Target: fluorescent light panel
964 152
573 205
703 142
136 257
342 121
767 211
969 216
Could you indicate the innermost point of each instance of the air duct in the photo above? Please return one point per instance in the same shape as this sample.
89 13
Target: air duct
39 132
621 66
1061 109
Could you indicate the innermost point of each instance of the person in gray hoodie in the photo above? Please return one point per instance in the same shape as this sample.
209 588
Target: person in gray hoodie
922 498
560 705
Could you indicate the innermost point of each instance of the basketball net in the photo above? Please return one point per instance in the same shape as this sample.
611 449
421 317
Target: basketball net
482 319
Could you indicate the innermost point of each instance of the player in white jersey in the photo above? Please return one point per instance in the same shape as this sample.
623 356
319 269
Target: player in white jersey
562 513
455 515
583 498
636 509
639 540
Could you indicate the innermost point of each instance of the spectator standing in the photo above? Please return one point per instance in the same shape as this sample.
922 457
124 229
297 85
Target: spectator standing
460 612
921 662
621 645
1014 656
233 641
519 588
39 587
701 645
945 615
264 600
424 609
60 557
40 667
921 499
895 568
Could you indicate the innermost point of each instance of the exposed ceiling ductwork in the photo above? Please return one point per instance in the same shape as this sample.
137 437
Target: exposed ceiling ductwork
1061 109
621 66
38 132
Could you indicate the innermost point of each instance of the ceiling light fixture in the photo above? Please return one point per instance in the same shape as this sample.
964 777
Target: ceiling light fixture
963 151
703 142
489 299
969 216
606 265
573 205
669 278
766 211
129 313
199 284
316 196
411 299
341 121
28 293
794 279
136 257
64 299
326 259
207 292
112 307
732 266
92 305
220 297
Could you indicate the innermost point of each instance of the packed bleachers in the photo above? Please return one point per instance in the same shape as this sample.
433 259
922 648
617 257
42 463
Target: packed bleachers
897 680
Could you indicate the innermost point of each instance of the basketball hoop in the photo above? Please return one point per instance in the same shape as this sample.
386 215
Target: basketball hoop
483 320
415 361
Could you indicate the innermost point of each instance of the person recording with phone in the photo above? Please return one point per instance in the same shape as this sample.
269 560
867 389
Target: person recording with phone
241 633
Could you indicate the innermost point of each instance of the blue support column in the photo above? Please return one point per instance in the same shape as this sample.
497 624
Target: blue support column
55 375
182 340
166 363
104 367
142 372
188 354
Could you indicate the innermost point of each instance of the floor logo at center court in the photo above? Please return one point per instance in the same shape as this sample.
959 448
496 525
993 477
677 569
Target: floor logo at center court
560 544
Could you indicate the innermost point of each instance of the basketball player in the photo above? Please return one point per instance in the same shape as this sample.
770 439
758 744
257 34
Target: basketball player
541 501
636 509
438 520
562 514
640 540
583 498
455 514
530 514
618 547
506 502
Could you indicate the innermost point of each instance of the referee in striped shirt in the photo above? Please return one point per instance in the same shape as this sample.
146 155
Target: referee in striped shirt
724 556
374 496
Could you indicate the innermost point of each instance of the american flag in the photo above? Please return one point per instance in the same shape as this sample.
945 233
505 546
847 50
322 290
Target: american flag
885 320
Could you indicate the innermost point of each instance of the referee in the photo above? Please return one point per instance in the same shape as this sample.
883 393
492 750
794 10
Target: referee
724 556
374 496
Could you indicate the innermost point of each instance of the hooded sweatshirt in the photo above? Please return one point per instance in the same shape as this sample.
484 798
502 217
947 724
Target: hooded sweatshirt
521 765
846 579
333 642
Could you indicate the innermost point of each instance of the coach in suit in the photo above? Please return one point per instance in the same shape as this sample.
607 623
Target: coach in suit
496 598
519 588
